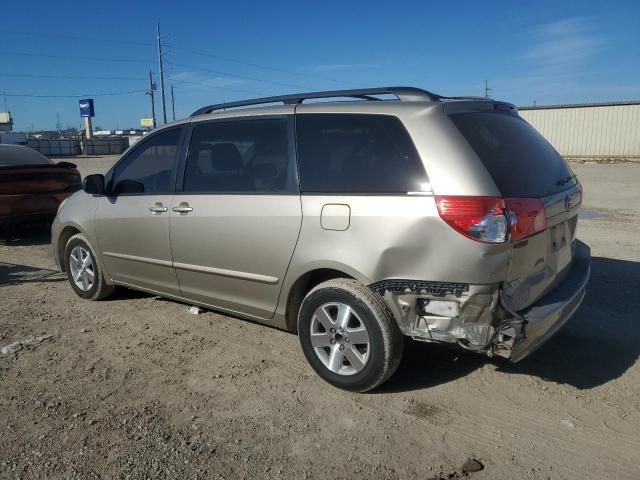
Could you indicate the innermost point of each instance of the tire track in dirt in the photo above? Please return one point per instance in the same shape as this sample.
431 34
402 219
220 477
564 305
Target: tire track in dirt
591 449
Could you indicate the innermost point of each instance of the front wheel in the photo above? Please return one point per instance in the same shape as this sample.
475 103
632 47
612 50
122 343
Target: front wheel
349 336
83 270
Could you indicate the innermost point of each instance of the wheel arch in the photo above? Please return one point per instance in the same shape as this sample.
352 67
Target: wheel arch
62 235
63 238
305 283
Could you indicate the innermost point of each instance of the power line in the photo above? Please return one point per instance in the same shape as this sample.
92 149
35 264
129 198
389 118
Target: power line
71 77
255 65
74 57
84 77
149 44
204 84
218 72
130 92
73 37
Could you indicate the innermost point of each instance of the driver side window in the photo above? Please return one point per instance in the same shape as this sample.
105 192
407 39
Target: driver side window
149 168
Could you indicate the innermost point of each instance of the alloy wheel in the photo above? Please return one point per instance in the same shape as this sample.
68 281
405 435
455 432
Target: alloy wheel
82 271
340 338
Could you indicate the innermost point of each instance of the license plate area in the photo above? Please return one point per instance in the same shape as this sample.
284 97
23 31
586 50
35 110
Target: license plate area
535 263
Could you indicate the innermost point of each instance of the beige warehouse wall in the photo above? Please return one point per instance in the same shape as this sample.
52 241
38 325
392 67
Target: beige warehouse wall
610 131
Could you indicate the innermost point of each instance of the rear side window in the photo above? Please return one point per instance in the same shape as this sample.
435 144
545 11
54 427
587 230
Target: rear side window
353 153
149 167
240 156
521 162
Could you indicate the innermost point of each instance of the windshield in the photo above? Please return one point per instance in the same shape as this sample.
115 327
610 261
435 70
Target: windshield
520 161
16 155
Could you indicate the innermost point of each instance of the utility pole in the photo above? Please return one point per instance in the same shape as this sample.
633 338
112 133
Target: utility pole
58 123
173 105
486 89
149 92
160 53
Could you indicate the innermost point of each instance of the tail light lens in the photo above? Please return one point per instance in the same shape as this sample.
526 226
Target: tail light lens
493 219
479 218
526 217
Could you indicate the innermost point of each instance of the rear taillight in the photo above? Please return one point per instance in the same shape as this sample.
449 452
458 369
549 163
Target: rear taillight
480 218
493 219
526 217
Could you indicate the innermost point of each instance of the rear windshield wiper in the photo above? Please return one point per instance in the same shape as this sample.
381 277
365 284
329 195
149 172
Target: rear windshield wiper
564 181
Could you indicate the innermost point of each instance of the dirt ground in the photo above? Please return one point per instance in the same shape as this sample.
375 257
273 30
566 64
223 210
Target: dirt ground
137 387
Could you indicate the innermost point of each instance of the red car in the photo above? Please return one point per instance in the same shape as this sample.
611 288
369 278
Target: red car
32 186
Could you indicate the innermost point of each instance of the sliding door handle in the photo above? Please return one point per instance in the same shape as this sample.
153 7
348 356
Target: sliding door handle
158 208
182 208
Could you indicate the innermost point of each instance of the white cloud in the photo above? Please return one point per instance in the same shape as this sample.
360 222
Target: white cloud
563 46
560 63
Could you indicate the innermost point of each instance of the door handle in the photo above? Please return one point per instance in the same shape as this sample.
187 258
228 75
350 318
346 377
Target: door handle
183 208
158 208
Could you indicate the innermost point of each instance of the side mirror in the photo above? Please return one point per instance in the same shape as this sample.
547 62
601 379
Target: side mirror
93 184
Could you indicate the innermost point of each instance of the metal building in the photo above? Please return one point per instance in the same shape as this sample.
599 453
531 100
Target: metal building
598 130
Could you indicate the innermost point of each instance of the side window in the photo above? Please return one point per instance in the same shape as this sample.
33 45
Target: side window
353 153
240 156
148 169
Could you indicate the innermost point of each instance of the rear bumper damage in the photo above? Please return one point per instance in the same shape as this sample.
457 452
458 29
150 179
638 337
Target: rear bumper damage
528 329
475 318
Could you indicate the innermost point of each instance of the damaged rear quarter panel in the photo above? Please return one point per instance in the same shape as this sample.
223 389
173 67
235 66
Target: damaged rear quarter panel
396 237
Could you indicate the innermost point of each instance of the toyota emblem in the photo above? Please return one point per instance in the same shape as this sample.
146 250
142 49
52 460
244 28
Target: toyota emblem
568 203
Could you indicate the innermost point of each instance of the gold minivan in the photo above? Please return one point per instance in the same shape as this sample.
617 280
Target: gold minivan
354 218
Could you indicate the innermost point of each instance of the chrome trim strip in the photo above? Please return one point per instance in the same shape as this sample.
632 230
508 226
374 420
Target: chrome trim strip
135 258
253 277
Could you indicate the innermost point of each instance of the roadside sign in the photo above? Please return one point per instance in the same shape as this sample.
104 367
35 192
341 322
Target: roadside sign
6 122
146 122
86 108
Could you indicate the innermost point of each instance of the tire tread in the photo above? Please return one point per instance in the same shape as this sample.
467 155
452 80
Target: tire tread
391 334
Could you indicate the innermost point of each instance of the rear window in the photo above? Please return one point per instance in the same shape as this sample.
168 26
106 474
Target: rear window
352 153
521 162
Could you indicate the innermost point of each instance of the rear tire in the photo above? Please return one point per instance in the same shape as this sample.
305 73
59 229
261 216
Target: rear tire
349 336
83 271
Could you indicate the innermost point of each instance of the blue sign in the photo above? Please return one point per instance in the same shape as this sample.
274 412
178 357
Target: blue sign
86 108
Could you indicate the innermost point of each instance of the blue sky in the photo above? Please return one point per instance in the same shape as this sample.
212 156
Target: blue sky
548 51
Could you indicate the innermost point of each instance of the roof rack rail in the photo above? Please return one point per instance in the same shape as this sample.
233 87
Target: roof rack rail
467 97
404 94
